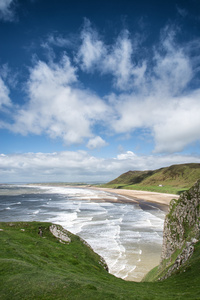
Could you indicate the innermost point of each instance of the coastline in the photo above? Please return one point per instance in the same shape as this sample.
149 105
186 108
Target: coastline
130 257
160 198
143 198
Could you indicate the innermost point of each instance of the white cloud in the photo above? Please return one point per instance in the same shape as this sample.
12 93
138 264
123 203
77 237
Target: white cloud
4 95
92 49
8 76
153 94
172 71
164 105
79 166
57 106
59 41
174 121
181 126
6 10
96 142
95 55
126 155
119 63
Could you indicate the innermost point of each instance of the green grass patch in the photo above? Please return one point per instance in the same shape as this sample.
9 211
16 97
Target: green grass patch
34 267
173 180
150 188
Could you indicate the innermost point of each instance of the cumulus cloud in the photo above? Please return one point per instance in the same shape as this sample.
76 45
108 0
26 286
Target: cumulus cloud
126 155
72 166
95 55
168 71
96 142
181 127
92 49
6 10
57 106
154 92
119 63
165 105
172 71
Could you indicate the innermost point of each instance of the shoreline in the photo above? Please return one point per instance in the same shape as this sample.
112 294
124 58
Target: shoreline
143 198
144 256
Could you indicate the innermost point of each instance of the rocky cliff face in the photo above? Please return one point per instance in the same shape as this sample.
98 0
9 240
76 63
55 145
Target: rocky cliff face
181 229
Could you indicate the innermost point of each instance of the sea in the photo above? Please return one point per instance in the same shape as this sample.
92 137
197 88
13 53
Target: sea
127 235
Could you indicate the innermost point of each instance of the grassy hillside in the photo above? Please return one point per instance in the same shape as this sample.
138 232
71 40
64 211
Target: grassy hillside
34 267
173 179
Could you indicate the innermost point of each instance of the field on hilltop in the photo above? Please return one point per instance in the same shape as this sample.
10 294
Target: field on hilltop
173 179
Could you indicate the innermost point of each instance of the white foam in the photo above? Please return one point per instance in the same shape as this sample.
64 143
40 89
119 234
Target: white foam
129 272
34 212
118 232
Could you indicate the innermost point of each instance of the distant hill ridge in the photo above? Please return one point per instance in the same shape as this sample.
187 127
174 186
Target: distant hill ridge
175 178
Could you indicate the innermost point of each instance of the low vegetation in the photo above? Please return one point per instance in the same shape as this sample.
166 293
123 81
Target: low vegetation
40 267
173 180
181 233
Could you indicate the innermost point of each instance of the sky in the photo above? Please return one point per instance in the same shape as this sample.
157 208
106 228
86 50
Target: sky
92 89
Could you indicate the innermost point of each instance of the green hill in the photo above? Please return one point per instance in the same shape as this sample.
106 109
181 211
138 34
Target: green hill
41 267
173 179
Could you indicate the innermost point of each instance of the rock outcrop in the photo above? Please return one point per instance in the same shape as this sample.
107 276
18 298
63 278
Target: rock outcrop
60 233
63 236
181 230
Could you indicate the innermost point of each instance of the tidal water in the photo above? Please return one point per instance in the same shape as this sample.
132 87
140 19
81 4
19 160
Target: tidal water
126 235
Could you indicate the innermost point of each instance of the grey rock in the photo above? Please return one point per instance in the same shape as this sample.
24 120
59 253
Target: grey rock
181 229
60 233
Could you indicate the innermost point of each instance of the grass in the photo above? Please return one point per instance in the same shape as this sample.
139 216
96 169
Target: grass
34 267
173 180
150 188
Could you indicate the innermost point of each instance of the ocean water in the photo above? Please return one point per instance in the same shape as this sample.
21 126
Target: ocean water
128 237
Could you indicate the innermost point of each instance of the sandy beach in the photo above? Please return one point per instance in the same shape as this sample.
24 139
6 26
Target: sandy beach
128 196
137 196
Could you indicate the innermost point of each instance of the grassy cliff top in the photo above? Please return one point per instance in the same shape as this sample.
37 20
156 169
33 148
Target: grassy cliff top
40 267
173 179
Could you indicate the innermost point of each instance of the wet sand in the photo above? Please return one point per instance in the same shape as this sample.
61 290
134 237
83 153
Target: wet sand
143 198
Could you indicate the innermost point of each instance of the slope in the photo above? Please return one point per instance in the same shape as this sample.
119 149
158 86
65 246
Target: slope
174 179
35 267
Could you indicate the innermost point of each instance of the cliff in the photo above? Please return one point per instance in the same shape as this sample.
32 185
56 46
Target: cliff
181 232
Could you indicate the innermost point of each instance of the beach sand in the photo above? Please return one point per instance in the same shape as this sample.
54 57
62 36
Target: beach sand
143 198
150 253
149 256
128 196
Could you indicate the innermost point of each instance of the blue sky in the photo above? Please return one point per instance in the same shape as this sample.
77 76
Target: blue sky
92 89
